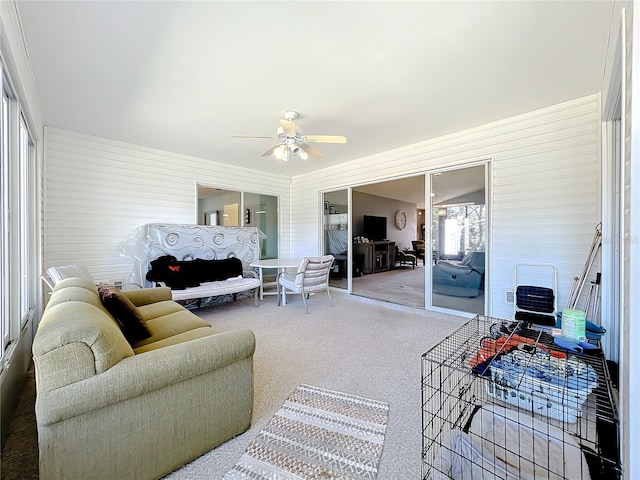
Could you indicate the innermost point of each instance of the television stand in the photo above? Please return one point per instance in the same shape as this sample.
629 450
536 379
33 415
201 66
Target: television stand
375 257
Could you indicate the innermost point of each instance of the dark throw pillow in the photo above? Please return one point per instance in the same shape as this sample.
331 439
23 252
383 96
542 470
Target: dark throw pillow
125 312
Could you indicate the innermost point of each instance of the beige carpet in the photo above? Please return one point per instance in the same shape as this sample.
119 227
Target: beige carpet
20 453
361 347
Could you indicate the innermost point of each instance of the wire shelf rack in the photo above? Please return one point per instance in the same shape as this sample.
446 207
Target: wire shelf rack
501 400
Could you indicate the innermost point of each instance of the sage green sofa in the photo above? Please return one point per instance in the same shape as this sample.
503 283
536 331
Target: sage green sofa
106 409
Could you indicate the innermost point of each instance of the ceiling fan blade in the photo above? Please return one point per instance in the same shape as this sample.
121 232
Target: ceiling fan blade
311 151
249 136
271 151
326 138
289 127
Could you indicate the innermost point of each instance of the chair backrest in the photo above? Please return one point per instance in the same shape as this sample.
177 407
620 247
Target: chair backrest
316 272
418 245
68 271
474 260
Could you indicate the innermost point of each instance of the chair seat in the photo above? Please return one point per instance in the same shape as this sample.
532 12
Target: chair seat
290 284
405 257
418 249
312 276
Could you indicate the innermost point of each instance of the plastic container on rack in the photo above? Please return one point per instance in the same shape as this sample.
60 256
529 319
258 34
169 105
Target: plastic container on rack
574 324
530 394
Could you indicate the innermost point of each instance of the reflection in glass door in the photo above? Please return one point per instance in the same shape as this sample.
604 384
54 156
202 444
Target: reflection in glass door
262 211
458 237
336 235
217 206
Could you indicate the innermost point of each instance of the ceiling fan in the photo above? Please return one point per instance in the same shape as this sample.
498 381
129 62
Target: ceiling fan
293 141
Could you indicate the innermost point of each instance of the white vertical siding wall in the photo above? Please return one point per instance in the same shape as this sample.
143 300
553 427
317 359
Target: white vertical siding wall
97 191
545 192
545 188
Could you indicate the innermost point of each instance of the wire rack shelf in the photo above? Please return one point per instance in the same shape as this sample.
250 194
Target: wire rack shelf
501 400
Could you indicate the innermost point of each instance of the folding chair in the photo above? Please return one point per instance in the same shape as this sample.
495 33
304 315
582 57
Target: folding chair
55 274
536 304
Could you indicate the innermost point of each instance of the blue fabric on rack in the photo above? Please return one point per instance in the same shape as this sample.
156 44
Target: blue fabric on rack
575 346
570 373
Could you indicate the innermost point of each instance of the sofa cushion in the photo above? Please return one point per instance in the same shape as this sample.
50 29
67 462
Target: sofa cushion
76 293
120 307
170 325
176 339
147 296
78 282
214 289
159 309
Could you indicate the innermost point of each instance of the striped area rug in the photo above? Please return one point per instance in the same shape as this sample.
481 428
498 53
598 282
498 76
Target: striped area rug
317 434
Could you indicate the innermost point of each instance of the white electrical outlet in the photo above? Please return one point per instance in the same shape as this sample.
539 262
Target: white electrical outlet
507 296
117 283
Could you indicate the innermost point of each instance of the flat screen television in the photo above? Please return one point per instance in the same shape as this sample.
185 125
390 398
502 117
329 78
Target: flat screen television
374 228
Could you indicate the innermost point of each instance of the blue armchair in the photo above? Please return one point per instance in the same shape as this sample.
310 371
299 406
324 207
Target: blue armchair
463 279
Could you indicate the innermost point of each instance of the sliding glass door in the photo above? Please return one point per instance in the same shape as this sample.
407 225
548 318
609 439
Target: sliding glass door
434 258
336 237
458 239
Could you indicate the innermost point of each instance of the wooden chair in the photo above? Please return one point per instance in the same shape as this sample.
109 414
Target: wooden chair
312 276
418 248
406 257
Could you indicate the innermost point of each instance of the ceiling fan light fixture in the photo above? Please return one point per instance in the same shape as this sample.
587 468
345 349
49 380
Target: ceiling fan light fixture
293 141
296 149
279 152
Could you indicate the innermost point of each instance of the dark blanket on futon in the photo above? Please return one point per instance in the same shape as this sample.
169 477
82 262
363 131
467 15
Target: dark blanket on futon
179 275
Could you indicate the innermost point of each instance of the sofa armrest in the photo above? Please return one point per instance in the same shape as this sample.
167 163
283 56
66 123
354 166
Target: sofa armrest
145 296
145 373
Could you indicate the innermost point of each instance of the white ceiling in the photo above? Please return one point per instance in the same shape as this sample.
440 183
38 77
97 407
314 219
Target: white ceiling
186 76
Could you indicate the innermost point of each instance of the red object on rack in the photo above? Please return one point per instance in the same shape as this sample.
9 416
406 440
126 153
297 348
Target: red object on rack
490 347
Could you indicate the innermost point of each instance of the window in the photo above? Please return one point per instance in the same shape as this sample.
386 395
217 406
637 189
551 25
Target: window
5 329
18 234
27 214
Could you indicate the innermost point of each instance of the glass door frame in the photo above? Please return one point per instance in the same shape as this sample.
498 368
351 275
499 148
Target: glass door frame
487 163
321 234
428 287
244 218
